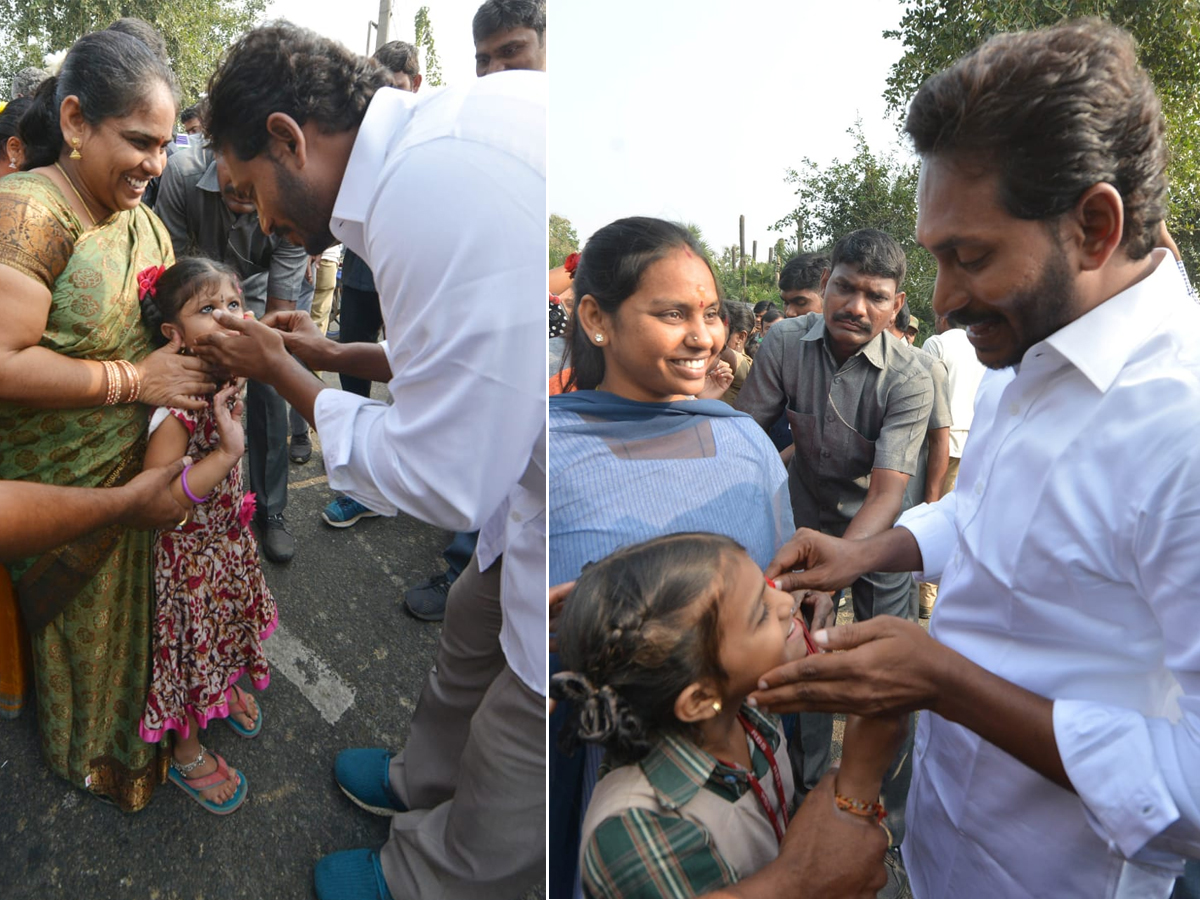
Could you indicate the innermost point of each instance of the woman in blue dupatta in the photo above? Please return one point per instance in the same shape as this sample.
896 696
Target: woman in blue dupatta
633 455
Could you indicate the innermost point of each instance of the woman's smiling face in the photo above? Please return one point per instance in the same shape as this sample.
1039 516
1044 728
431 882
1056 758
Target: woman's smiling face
659 344
122 153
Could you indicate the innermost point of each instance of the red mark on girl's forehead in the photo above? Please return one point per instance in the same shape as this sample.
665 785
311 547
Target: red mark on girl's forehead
688 251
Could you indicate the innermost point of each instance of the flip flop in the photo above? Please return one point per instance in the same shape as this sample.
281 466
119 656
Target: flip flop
223 773
238 705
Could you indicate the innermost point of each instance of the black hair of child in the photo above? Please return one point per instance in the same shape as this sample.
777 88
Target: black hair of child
639 627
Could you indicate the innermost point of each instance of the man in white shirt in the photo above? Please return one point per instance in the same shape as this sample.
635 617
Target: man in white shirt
964 372
1062 670
327 153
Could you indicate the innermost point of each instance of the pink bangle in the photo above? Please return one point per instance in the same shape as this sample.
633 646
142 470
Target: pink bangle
188 491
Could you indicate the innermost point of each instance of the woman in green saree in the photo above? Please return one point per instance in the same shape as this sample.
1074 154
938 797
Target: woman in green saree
75 371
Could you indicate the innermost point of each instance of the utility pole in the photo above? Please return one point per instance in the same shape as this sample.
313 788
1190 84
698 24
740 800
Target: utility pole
742 245
381 30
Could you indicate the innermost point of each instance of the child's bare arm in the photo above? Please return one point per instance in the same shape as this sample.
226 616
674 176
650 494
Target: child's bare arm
169 442
868 747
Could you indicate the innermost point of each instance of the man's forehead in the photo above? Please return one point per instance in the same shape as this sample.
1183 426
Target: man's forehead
952 200
797 295
853 273
521 33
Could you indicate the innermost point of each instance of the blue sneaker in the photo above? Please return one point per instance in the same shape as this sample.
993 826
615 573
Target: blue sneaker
344 512
350 875
362 774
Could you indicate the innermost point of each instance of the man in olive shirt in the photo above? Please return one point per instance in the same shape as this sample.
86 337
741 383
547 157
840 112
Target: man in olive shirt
858 402
206 218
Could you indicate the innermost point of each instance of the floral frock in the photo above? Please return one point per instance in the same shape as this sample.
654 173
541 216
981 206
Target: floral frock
213 607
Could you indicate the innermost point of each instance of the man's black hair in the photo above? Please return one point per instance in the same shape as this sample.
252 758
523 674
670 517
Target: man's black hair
501 15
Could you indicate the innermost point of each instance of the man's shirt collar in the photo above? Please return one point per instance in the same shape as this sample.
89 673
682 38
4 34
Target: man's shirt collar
1100 342
872 351
376 136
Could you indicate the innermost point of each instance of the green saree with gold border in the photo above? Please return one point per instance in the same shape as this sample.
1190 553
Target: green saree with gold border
91 661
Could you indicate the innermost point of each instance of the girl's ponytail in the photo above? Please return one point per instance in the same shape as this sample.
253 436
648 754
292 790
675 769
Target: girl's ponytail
601 717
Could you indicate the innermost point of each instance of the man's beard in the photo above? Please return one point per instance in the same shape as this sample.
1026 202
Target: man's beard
309 223
1035 313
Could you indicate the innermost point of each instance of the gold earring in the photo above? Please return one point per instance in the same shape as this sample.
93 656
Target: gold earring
75 154
717 705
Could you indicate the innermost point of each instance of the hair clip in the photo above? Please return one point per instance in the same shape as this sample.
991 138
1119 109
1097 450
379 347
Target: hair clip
148 281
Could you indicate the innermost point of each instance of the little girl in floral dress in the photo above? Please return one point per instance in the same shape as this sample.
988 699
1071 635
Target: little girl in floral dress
213 607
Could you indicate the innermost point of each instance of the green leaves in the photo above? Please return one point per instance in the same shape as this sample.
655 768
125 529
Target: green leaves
197 32
870 190
431 68
563 239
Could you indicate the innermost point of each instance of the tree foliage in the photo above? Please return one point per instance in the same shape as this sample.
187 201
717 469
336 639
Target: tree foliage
762 279
431 67
870 190
196 31
935 33
563 239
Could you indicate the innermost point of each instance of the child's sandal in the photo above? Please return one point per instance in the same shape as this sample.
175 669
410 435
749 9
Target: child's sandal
193 786
239 705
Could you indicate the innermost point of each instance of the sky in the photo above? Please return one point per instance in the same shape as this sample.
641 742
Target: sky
694 112
346 21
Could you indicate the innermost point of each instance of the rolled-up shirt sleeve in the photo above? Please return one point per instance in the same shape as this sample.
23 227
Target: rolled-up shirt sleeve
1138 771
933 526
455 239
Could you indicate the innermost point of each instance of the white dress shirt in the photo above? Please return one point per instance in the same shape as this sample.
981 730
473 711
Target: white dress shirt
1069 558
444 196
965 372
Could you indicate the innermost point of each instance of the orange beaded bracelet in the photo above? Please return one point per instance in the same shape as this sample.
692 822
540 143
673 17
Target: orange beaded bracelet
859 808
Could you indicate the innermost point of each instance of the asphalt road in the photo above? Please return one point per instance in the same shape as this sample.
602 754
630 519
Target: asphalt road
347 665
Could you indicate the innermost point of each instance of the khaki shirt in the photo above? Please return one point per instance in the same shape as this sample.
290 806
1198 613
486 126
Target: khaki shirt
872 412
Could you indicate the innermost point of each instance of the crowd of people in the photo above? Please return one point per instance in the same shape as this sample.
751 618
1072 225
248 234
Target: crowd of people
155 267
1025 480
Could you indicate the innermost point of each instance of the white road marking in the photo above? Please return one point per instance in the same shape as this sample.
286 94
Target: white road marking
319 684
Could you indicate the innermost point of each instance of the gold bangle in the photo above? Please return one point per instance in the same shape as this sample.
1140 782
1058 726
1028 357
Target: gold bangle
110 377
135 380
120 391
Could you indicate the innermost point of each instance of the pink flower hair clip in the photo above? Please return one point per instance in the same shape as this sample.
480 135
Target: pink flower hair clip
148 281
